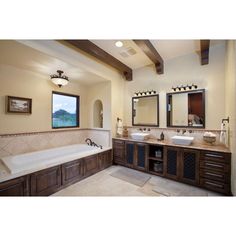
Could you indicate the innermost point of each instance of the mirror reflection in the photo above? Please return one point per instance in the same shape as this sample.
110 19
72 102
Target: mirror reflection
145 111
186 109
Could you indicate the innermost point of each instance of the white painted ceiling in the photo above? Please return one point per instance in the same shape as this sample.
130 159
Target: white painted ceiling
168 49
16 54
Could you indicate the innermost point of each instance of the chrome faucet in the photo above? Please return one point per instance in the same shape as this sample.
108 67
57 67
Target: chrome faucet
184 131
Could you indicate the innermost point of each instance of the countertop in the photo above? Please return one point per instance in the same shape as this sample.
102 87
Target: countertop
198 146
5 174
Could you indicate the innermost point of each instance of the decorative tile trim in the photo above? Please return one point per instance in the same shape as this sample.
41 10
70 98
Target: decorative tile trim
176 128
49 132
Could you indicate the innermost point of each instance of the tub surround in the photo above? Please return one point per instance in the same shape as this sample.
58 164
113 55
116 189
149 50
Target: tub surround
14 144
44 181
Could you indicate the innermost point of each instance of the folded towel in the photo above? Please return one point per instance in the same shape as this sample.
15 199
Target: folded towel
224 134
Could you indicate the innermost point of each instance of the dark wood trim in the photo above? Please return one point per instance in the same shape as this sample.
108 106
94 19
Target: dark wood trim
77 110
152 53
168 99
95 51
205 45
158 116
29 100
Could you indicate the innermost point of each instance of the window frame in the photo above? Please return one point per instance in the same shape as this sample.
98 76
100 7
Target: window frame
77 110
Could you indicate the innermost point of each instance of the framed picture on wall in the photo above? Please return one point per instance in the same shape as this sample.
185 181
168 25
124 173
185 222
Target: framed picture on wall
19 105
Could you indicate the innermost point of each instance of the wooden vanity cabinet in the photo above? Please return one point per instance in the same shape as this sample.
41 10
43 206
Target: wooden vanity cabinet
45 182
72 172
182 164
136 155
119 151
215 171
15 187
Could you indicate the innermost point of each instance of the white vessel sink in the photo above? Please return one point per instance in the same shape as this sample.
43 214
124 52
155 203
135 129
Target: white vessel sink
182 140
139 136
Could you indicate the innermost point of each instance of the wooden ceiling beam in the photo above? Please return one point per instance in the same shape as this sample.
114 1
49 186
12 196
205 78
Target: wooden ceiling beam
205 45
95 51
152 53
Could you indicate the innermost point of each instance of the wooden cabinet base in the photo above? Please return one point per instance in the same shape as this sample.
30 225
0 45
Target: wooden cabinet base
15 187
51 180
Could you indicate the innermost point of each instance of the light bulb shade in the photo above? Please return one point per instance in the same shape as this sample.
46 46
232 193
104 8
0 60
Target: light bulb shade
60 81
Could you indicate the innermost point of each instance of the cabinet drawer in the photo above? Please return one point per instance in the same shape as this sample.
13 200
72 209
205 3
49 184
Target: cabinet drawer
215 166
216 156
213 175
215 186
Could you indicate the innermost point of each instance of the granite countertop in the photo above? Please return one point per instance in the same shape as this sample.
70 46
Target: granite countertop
198 146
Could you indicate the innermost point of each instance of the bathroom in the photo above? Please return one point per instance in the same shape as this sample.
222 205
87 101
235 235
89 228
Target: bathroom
110 110
117 118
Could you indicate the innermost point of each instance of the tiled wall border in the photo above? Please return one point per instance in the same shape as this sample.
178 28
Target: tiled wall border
175 129
50 131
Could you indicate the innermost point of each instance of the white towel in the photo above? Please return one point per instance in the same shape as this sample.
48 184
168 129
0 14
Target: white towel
224 137
119 126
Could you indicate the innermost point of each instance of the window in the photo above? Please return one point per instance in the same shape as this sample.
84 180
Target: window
65 110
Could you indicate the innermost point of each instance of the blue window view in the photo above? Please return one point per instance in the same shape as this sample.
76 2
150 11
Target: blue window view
65 113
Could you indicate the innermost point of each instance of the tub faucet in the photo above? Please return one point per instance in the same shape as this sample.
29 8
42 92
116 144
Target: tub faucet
89 141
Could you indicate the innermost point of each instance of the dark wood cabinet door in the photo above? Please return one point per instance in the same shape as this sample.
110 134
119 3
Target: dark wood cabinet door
72 172
189 166
119 151
15 187
129 153
141 156
91 165
105 160
171 163
45 182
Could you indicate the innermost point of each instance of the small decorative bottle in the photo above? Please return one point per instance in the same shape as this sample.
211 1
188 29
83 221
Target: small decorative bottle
125 132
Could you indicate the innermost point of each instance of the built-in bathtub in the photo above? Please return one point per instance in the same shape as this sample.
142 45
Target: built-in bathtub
46 158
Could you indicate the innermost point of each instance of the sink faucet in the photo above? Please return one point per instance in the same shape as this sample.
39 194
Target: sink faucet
184 131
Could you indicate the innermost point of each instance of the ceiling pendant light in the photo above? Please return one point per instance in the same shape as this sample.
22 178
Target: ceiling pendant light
59 79
119 44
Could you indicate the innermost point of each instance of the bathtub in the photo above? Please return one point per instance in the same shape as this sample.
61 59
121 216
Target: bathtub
32 161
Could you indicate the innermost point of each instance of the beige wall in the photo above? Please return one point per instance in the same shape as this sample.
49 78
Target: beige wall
181 71
230 88
101 91
22 83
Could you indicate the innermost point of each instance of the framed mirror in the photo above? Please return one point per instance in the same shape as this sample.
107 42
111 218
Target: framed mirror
186 109
145 111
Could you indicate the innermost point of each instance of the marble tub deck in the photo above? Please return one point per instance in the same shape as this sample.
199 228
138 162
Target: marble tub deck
103 184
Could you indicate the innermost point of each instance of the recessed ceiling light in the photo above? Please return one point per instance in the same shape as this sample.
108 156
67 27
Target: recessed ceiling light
119 44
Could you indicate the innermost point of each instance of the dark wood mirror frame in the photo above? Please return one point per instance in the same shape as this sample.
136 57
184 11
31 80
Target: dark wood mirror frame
168 113
147 125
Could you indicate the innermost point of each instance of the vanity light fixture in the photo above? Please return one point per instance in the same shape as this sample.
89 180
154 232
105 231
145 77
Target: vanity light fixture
145 93
184 87
119 44
59 79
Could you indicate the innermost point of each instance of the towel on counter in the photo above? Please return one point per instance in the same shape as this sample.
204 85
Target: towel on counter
119 127
224 134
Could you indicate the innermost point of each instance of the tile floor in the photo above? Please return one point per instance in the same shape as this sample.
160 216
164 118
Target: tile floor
103 184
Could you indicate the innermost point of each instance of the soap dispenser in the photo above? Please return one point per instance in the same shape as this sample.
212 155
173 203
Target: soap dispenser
162 137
